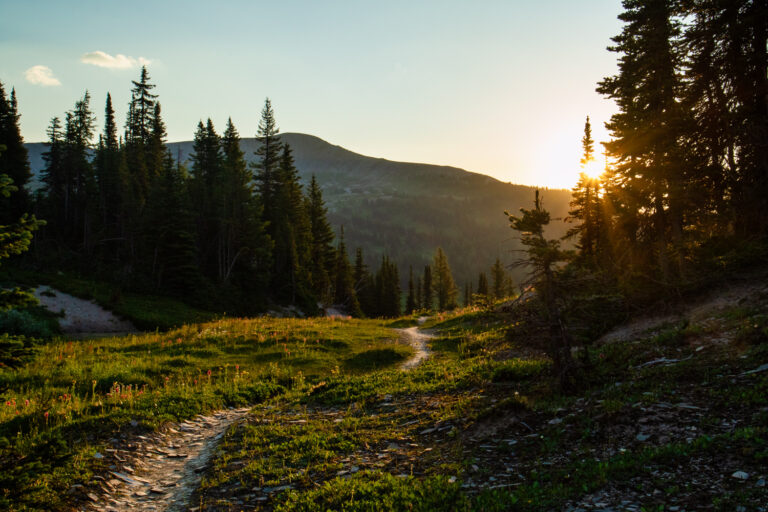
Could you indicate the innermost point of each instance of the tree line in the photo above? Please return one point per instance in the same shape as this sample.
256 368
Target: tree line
684 192
215 232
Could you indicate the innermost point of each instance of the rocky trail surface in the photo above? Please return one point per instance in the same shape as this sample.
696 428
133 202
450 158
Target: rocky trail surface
160 471
418 340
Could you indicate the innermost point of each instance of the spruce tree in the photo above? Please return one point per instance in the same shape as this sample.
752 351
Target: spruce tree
112 183
586 205
208 197
138 137
410 301
499 280
267 166
443 284
427 294
14 162
15 239
322 254
649 174
344 287
388 289
244 252
170 235
543 257
291 232
482 286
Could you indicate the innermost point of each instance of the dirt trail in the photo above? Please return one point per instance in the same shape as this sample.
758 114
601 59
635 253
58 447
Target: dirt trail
81 316
160 472
418 340
701 309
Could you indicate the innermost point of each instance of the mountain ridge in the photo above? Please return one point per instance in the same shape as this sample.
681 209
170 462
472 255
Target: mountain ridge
403 209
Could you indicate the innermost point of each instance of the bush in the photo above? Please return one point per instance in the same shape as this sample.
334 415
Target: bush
379 491
35 323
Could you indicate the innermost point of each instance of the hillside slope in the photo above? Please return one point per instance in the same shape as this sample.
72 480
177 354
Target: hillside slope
402 209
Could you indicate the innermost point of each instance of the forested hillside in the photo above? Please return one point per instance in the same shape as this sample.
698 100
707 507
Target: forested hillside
403 210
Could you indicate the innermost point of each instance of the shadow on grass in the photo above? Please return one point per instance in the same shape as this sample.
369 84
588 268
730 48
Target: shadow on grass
373 359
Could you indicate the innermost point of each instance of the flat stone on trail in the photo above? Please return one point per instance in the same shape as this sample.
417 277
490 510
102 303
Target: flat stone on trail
741 475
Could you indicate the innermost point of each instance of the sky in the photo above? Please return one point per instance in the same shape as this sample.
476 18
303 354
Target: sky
499 87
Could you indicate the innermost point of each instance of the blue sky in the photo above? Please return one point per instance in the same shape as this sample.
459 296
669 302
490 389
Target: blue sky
497 87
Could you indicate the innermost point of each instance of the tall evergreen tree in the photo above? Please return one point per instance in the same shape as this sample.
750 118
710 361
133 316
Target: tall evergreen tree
113 187
244 251
482 286
649 174
170 236
388 291
291 232
267 166
427 295
586 205
322 254
138 136
443 285
499 279
344 288
410 301
14 161
543 258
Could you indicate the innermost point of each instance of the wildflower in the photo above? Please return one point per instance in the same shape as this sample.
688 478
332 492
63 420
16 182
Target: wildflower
209 373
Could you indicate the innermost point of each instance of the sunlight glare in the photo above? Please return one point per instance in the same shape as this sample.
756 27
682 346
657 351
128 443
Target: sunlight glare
593 169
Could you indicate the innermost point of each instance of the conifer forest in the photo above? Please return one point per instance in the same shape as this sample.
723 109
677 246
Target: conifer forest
212 318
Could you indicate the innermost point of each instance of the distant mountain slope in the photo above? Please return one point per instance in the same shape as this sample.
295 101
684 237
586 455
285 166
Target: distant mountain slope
405 209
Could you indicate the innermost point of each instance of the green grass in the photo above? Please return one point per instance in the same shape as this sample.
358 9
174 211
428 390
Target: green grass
74 395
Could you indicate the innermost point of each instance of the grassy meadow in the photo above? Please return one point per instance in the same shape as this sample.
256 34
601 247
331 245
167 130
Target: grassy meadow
62 406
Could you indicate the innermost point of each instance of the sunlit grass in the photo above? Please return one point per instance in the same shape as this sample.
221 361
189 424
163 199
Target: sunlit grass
74 395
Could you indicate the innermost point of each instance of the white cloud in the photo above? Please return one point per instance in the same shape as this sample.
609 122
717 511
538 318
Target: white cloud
41 75
119 61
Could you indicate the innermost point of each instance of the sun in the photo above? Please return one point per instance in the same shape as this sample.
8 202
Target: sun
593 170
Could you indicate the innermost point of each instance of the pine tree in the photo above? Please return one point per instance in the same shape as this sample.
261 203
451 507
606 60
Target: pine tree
543 258
267 167
243 249
388 289
291 232
410 301
586 205
649 174
482 286
111 185
427 294
322 254
156 151
170 235
14 161
15 239
443 285
344 287
499 279
208 198
138 136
